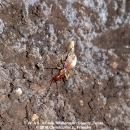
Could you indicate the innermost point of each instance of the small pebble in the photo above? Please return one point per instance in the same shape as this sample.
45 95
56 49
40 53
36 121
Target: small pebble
19 91
99 82
113 65
127 69
37 87
81 103
35 117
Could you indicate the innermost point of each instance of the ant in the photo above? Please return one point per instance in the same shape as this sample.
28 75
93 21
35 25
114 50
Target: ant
68 64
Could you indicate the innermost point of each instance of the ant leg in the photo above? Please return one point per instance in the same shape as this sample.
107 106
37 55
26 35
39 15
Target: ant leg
72 72
62 60
59 68
69 53
51 81
66 77
79 66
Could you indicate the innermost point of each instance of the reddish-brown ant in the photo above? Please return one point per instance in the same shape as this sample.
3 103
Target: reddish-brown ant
68 64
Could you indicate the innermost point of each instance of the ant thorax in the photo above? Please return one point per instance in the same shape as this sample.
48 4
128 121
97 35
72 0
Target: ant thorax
63 72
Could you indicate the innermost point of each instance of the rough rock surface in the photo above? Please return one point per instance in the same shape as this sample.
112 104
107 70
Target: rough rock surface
34 35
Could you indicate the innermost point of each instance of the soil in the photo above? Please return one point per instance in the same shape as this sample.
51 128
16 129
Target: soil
34 35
